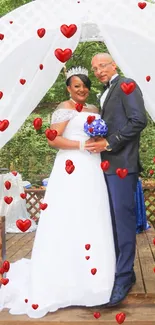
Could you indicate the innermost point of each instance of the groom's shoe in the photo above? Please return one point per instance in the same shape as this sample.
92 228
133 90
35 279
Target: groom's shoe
119 293
133 278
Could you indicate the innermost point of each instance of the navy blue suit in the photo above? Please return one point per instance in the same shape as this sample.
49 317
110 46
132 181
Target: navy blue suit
126 117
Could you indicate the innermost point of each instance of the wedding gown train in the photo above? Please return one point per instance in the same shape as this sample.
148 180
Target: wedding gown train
62 270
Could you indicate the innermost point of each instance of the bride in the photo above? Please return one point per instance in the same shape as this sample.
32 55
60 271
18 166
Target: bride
73 257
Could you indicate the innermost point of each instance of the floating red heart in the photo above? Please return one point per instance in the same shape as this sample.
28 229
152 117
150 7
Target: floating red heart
43 206
1 94
154 270
90 119
37 123
105 165
51 134
128 88
4 281
6 266
87 247
14 173
7 185
148 78
154 159
35 306
11 22
154 241
22 81
8 199
122 173
142 5
151 171
87 257
68 31
97 315
41 32
4 125
63 56
70 169
69 162
1 36
120 318
23 225
2 270
23 195
78 107
41 67
90 130
26 300
93 271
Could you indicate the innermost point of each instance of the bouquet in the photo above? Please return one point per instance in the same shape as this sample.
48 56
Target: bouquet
95 127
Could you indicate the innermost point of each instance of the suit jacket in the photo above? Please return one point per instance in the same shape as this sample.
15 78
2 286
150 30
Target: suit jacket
125 116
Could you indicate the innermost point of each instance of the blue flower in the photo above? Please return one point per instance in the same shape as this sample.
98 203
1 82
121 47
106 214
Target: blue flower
97 128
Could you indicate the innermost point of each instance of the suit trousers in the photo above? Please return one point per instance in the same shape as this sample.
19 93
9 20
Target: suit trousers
123 214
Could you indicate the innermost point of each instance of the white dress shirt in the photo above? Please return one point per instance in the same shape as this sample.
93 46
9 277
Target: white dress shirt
103 97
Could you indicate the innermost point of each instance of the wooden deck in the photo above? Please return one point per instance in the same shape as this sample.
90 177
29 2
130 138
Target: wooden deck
139 306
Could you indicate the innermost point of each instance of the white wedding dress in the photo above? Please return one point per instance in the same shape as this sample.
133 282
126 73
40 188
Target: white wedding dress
59 274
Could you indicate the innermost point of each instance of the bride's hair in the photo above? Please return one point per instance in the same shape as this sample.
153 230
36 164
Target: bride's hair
82 77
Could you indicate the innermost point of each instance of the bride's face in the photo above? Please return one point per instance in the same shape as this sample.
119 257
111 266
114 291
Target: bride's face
78 90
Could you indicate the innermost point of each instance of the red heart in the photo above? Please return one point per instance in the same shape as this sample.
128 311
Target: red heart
26 300
1 36
63 56
122 173
70 169
154 241
37 123
78 107
87 247
142 5
69 162
51 134
41 32
68 31
151 172
7 185
41 67
4 281
22 81
2 270
14 173
1 94
90 119
87 257
23 225
4 125
43 206
90 130
148 78
105 165
154 159
11 22
154 270
35 306
23 195
120 318
128 88
6 266
97 315
8 199
93 271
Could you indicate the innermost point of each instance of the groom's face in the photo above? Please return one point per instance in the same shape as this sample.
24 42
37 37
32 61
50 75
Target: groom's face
103 68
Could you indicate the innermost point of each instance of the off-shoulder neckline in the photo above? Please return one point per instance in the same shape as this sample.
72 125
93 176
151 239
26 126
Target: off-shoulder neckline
74 110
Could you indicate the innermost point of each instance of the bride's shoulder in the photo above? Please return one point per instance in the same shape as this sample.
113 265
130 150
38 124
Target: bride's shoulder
93 108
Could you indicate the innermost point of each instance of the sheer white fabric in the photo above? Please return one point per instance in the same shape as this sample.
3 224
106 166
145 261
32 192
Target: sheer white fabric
127 30
62 115
58 274
17 208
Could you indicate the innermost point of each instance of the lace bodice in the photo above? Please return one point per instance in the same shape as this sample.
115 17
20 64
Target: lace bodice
75 127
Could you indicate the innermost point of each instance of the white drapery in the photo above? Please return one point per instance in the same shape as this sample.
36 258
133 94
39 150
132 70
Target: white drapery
127 30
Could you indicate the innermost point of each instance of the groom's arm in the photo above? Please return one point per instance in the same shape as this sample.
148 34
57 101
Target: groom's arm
133 105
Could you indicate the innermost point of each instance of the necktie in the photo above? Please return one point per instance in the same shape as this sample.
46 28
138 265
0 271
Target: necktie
108 84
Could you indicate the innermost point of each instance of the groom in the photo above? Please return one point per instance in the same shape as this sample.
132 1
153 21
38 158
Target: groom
126 118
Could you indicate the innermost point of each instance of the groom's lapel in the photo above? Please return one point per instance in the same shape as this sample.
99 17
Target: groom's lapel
110 93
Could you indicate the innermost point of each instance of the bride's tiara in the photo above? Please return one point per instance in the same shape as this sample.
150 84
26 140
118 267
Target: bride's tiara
77 70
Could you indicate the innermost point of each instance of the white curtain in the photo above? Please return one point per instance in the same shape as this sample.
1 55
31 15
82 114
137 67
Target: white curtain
127 30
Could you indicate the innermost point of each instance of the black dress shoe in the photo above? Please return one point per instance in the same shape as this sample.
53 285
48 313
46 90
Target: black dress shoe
133 278
119 293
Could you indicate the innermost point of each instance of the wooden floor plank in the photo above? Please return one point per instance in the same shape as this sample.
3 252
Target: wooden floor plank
150 233
138 288
146 263
21 245
14 239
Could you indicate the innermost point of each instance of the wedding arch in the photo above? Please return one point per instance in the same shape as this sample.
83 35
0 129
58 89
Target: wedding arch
30 35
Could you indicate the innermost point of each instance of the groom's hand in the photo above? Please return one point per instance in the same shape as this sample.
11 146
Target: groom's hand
96 146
